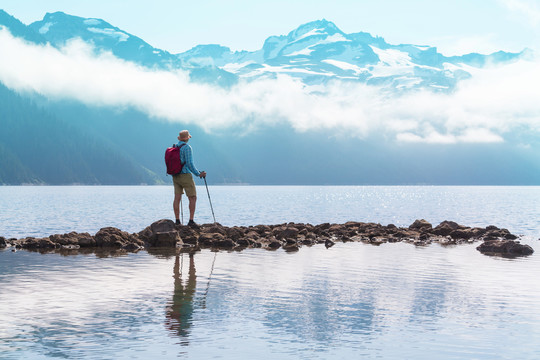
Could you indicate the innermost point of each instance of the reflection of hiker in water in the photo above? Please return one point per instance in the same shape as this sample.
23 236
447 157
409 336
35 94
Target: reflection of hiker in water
180 309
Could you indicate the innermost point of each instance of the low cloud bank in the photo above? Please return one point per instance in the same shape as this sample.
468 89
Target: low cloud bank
494 102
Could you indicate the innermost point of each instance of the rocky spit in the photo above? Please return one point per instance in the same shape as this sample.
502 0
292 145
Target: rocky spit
290 237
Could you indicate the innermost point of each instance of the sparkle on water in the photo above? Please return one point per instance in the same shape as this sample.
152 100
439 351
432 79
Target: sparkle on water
394 301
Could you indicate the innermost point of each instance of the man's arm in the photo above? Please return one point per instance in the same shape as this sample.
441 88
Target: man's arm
189 160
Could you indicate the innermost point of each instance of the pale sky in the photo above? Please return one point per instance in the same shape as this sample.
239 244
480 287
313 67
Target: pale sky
454 26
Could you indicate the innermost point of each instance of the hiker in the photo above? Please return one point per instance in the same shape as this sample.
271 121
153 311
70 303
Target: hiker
184 180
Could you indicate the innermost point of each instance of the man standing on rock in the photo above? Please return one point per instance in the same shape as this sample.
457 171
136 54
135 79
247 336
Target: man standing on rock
184 181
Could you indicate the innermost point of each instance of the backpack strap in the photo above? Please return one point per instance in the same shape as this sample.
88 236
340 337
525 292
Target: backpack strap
179 148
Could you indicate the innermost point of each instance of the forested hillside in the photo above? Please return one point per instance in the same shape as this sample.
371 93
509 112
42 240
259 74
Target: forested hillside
37 147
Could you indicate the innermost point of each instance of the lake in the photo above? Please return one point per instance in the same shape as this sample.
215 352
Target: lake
353 300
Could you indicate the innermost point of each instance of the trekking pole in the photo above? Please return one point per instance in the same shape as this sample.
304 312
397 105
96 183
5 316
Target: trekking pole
208 192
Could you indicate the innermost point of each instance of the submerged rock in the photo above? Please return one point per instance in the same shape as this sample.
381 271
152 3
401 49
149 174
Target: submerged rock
505 248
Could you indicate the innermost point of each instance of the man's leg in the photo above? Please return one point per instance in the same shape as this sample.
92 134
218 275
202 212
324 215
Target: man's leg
192 203
176 205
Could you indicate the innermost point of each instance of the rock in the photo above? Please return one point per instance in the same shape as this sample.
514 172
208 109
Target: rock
495 233
74 238
224 244
261 229
286 233
478 232
3 243
291 248
319 229
235 233
505 248
163 225
244 242
210 238
167 239
462 234
188 235
445 228
290 241
420 225
35 243
252 235
214 229
290 236
274 244
162 233
336 229
113 237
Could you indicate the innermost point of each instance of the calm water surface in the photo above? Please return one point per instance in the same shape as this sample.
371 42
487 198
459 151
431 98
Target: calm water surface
393 301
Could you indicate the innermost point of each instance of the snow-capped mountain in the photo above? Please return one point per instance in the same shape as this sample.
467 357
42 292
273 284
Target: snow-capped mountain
315 53
59 27
319 51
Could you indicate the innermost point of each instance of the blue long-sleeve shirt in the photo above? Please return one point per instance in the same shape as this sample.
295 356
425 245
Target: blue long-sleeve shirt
186 157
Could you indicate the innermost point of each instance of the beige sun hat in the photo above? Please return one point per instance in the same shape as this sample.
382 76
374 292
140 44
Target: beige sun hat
184 135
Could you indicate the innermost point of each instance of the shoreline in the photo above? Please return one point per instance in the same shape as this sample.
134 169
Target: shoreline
289 236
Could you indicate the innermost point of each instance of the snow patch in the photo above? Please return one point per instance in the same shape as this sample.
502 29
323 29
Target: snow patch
392 57
92 22
439 86
235 67
307 51
311 33
344 65
332 39
45 28
283 70
120 36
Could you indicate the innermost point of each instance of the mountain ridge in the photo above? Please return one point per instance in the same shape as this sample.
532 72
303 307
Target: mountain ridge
269 155
315 53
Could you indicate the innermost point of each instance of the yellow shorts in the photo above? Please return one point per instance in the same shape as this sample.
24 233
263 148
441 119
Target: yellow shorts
184 182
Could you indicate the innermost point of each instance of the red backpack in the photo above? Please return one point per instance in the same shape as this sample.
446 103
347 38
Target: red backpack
172 160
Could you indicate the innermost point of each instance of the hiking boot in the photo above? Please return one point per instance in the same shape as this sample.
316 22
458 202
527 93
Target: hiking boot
177 221
193 224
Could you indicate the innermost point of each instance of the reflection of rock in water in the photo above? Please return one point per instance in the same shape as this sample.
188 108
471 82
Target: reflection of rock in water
180 309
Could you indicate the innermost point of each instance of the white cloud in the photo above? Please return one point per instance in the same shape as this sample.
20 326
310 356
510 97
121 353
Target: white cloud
473 135
494 102
461 45
530 9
